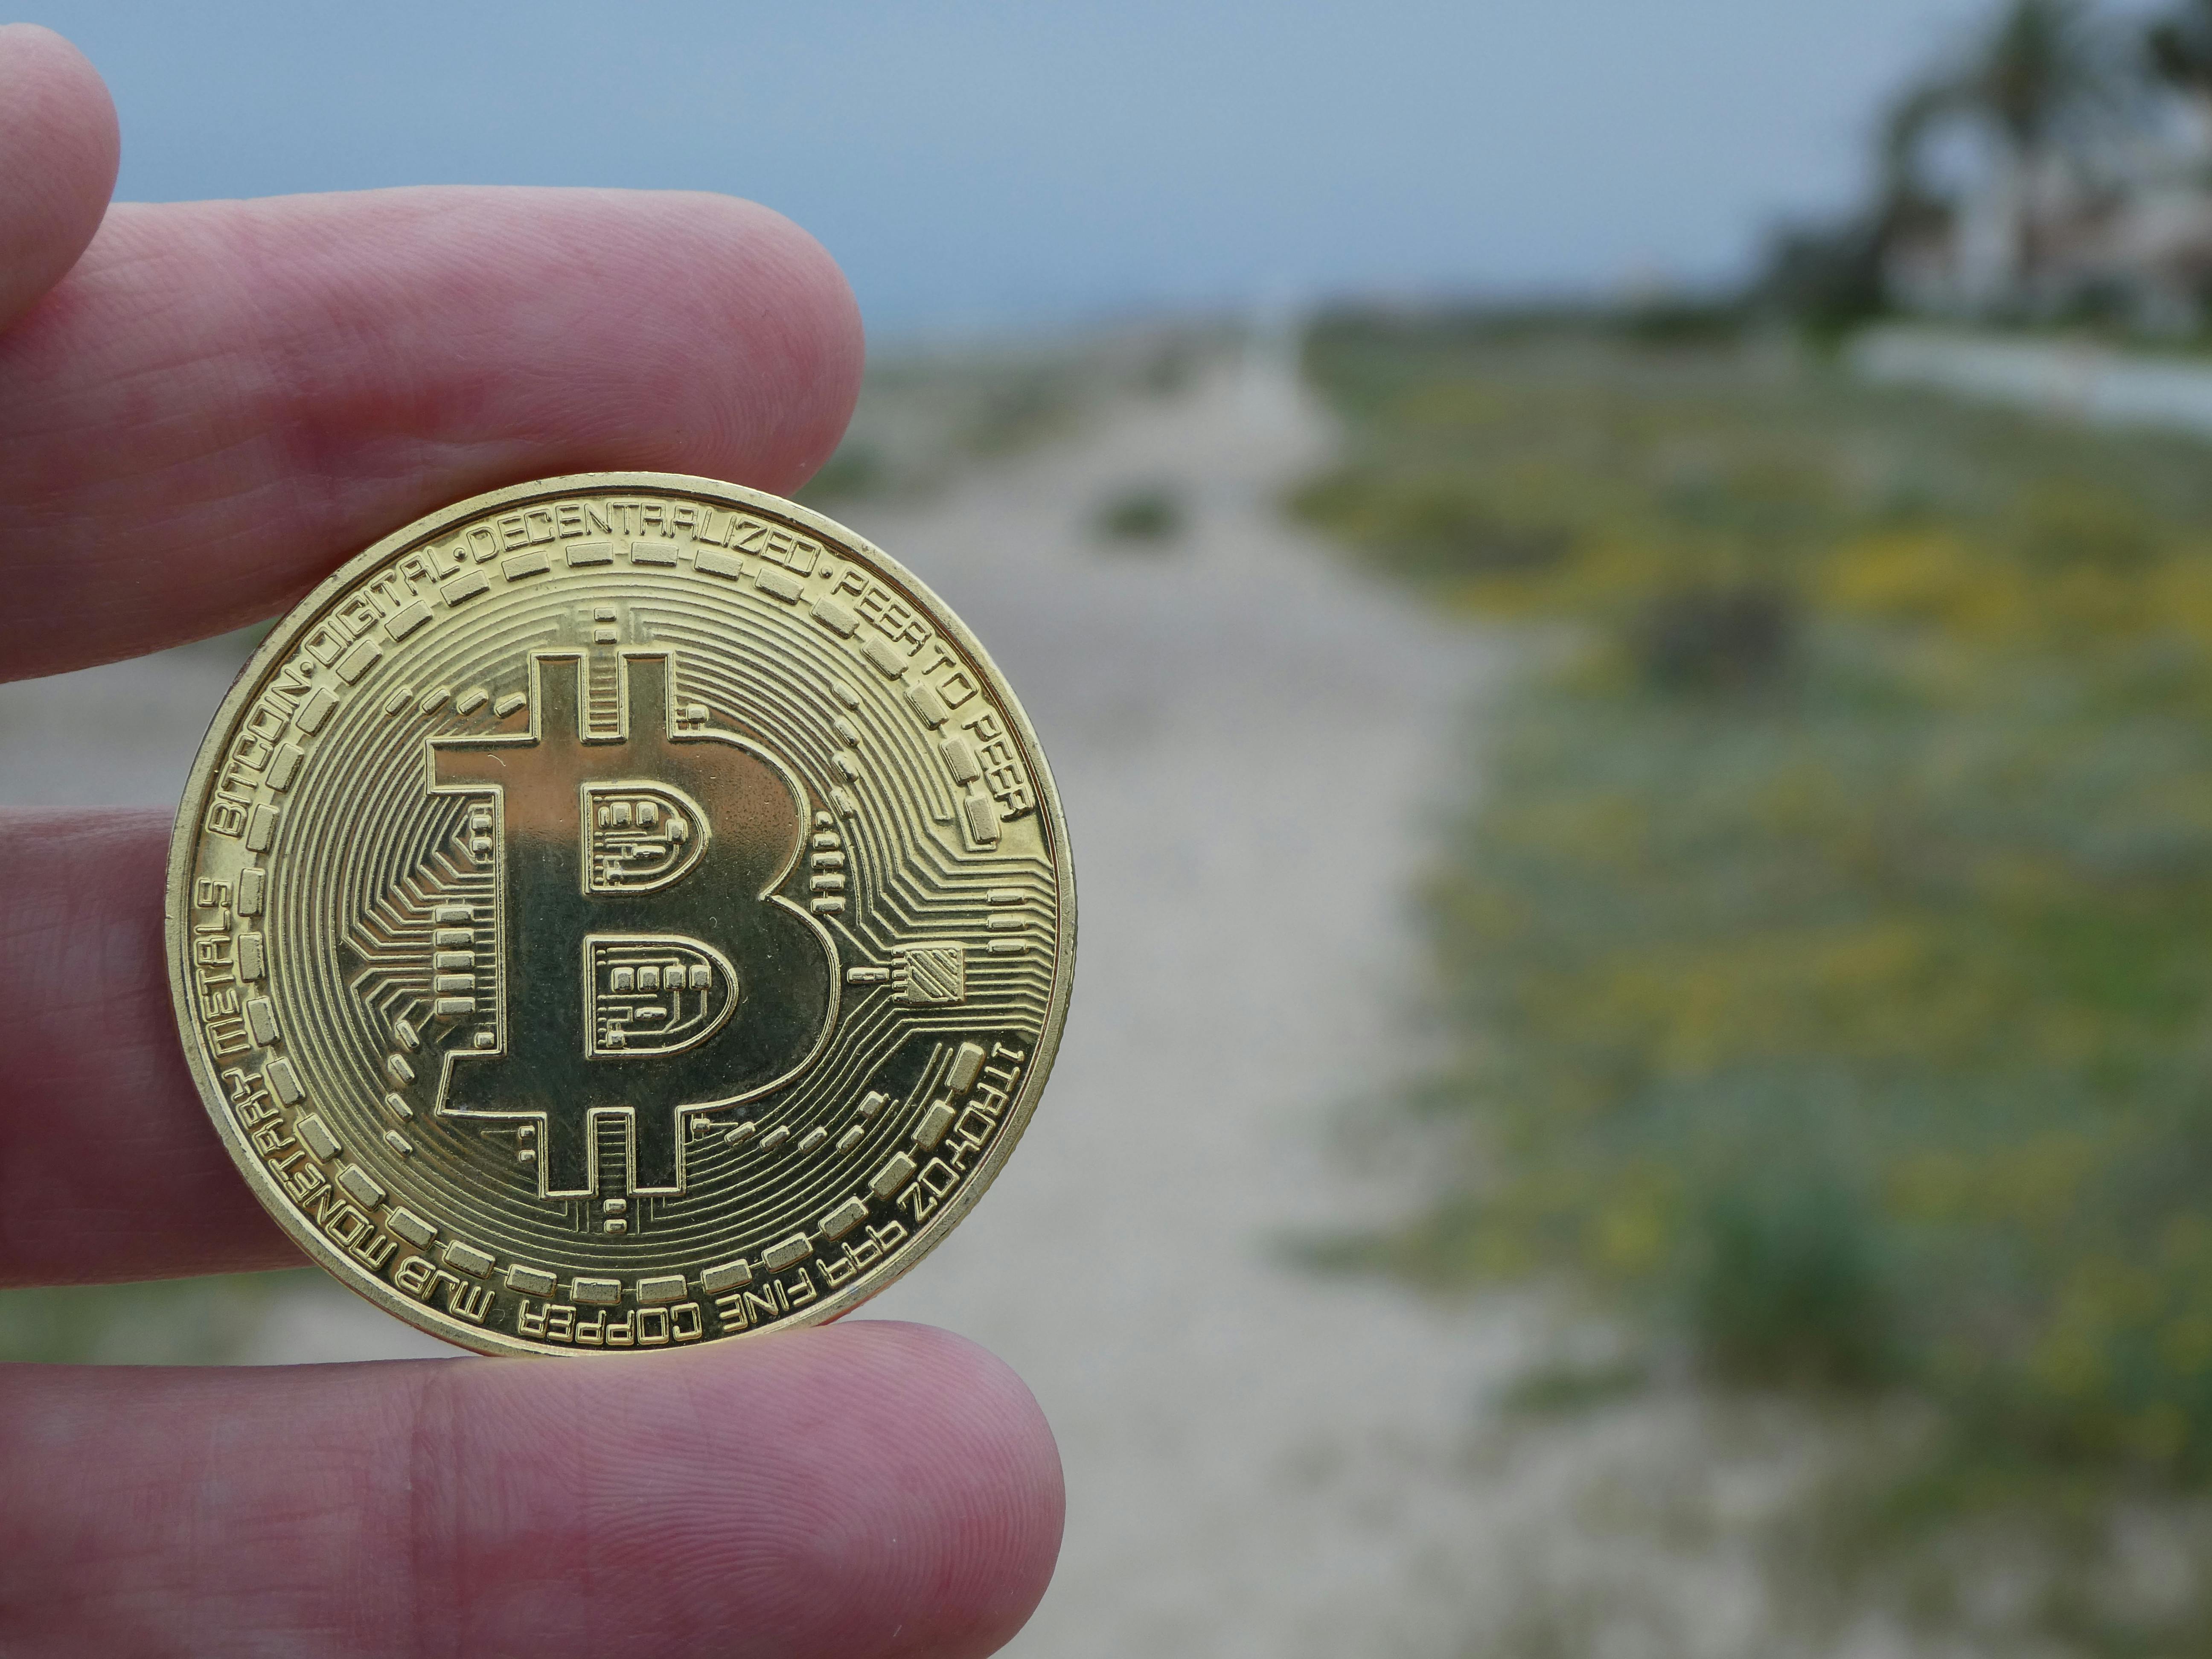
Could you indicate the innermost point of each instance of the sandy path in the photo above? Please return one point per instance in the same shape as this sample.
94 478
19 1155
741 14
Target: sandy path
1246 739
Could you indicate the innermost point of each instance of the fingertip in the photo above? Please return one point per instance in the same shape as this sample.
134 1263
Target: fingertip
60 147
856 1490
932 1498
992 1481
806 312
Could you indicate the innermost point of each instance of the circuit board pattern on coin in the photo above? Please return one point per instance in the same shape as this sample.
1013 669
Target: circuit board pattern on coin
618 912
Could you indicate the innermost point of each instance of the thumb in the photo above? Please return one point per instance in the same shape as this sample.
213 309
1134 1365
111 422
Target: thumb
58 147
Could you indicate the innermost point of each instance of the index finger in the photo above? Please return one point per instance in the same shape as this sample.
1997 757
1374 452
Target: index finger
224 399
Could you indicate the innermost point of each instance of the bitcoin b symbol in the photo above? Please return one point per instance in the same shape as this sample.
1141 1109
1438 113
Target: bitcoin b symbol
611 850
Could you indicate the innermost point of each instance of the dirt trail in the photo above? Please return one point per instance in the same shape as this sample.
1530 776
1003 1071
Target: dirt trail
1259 1462
1246 739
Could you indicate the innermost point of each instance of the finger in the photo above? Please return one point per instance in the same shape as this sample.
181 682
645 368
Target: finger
58 148
223 400
109 1167
868 1489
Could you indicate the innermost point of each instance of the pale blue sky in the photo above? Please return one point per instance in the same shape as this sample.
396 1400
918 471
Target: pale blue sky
976 164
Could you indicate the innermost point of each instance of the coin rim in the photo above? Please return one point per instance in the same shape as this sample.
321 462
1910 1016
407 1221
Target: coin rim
191 808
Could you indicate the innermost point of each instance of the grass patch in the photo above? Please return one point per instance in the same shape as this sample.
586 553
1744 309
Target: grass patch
1146 514
195 1321
1826 952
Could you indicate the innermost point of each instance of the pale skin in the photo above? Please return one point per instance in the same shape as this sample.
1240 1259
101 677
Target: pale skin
203 409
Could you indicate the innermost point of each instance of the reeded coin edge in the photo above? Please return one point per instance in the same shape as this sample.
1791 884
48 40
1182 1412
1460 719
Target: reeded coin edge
191 809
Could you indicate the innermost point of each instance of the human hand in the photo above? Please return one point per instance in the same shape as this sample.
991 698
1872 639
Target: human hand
253 391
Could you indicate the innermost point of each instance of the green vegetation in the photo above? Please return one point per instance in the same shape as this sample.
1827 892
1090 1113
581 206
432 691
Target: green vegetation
1826 952
193 1322
1145 513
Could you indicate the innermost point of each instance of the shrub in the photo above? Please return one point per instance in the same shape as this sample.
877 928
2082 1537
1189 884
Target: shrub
1148 513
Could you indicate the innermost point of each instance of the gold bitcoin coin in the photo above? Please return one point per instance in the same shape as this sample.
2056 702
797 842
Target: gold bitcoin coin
619 912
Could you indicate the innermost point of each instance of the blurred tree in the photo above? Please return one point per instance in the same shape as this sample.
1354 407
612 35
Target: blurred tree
2039 87
1901 183
2036 81
2179 49
1830 276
